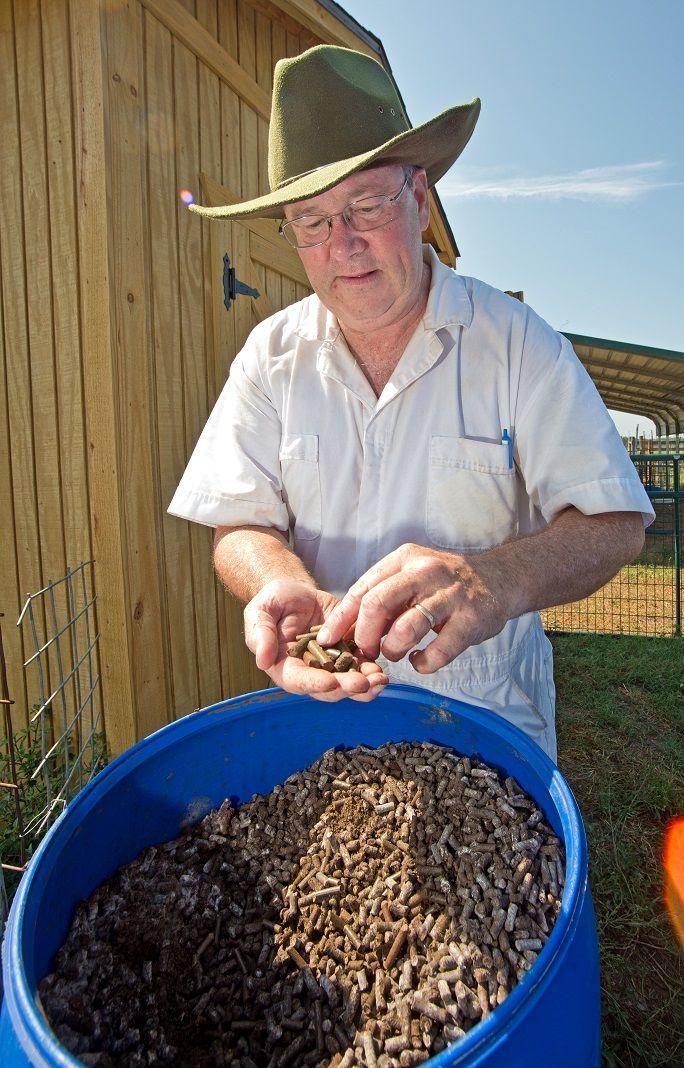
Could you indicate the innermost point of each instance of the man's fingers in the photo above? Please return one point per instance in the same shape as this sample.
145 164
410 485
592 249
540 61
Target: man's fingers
347 684
267 649
261 636
370 668
296 678
380 608
448 644
407 631
342 617
344 614
374 684
364 684
370 694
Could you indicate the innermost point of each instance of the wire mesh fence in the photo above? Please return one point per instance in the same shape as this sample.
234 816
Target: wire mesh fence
44 764
646 596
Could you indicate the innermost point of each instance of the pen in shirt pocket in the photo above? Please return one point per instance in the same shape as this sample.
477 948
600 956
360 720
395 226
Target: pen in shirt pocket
506 439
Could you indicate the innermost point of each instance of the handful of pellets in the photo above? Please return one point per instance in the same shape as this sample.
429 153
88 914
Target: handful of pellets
339 657
369 911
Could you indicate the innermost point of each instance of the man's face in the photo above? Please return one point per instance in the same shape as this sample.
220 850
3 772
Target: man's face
370 279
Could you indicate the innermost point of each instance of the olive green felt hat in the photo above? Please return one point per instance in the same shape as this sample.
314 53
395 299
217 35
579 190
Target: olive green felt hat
335 111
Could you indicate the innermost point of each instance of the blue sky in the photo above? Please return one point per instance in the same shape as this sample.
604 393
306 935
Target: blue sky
572 186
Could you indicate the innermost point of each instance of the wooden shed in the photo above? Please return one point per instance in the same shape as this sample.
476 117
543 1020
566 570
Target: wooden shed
115 338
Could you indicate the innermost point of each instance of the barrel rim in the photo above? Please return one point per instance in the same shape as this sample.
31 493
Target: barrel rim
28 1021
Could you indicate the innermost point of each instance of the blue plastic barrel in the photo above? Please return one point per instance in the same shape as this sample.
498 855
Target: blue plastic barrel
247 745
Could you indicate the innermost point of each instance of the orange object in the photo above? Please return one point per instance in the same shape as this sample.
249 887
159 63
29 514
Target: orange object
674 875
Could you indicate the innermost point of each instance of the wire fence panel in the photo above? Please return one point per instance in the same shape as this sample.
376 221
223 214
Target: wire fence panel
44 766
645 597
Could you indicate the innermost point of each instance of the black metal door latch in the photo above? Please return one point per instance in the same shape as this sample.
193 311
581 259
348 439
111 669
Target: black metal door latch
232 286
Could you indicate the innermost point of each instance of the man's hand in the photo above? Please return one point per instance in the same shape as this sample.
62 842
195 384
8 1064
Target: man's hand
280 611
472 597
465 594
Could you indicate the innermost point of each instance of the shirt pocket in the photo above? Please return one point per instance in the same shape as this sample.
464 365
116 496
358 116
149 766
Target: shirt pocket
471 494
301 484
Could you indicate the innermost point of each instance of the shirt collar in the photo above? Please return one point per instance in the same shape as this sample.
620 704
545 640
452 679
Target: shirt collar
449 303
316 322
449 306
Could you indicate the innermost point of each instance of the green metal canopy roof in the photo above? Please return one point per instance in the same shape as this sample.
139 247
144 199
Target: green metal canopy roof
636 379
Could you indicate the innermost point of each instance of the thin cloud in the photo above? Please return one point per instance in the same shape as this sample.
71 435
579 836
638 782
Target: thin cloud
619 184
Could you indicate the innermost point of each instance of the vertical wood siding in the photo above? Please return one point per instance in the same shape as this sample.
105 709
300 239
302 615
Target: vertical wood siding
168 359
131 243
44 491
174 346
114 339
21 556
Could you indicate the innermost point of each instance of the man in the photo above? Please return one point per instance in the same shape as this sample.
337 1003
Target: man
407 453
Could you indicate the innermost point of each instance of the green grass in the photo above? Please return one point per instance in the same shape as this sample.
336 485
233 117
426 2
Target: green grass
621 746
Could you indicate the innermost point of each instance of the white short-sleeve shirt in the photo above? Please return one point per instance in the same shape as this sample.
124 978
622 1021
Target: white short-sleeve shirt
299 441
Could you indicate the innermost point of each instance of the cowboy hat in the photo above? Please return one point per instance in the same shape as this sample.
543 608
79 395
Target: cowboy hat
334 112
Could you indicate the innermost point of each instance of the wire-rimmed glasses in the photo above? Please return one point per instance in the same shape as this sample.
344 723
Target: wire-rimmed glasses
368 213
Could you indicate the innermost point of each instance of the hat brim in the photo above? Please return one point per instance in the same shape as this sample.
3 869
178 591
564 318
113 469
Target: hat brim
435 145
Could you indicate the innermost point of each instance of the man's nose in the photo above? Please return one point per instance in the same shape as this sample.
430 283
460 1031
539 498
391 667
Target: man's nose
344 241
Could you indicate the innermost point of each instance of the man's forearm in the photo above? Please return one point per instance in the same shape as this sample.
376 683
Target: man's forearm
572 558
246 558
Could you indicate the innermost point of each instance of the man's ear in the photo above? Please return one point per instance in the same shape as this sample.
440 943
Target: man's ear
420 191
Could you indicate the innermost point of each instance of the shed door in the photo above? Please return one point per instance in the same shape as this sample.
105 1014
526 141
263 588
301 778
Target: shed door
262 260
265 262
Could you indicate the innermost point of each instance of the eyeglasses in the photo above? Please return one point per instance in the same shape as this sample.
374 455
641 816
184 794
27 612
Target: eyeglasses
369 213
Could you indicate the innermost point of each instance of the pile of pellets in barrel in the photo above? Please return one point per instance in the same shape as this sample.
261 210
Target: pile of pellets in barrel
339 657
369 911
